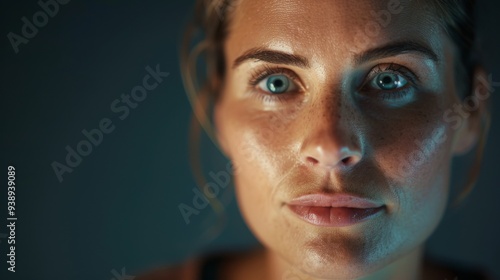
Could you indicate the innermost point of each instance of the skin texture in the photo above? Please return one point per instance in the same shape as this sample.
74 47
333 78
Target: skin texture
332 133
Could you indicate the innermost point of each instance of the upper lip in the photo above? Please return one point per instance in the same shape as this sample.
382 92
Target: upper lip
334 200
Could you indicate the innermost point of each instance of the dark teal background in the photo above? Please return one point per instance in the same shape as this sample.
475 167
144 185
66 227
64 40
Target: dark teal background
119 207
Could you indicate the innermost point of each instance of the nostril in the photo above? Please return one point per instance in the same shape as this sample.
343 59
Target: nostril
331 158
347 160
350 160
312 160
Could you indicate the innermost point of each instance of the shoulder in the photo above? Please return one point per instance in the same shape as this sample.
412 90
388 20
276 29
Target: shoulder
445 269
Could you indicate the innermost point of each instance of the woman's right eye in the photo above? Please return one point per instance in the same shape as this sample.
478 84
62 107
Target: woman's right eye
277 84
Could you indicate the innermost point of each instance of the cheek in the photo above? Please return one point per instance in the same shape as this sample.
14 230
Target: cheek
261 142
415 155
261 150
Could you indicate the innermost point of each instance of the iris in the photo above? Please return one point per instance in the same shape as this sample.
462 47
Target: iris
277 83
389 81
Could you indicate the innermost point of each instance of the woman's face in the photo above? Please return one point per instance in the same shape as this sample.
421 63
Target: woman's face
340 97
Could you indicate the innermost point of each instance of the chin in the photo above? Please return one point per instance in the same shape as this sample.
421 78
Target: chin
339 264
339 255
318 266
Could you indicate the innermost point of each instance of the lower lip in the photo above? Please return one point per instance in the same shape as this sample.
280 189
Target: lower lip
334 216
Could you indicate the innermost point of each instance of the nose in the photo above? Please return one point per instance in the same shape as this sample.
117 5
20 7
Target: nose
331 142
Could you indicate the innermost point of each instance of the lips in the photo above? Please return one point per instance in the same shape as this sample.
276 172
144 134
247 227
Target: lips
337 210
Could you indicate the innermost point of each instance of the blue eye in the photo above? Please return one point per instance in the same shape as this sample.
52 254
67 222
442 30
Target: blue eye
388 81
276 84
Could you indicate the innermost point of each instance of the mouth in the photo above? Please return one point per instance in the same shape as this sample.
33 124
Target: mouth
337 210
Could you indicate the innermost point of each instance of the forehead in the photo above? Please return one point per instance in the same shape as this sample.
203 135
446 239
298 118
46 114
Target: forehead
320 28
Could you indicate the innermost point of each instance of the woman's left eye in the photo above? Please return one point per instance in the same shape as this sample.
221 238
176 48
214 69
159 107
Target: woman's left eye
277 84
394 85
388 81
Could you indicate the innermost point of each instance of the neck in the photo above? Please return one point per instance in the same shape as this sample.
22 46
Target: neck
408 267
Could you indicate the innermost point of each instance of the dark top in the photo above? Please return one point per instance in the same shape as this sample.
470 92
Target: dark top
211 265
460 270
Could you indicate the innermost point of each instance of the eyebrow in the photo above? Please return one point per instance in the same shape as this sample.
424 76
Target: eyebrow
397 48
271 56
391 49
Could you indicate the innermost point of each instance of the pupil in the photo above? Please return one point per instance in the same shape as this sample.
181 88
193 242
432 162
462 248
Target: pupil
386 79
278 83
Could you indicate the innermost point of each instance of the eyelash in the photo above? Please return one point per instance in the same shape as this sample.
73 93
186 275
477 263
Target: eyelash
388 95
260 74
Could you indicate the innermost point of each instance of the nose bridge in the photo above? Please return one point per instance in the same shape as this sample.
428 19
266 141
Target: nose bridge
331 139
332 108
332 120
